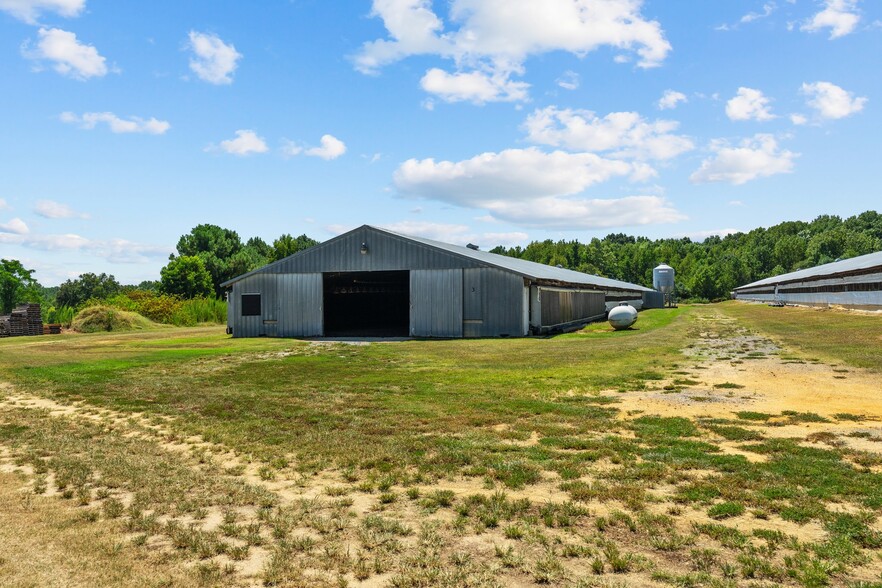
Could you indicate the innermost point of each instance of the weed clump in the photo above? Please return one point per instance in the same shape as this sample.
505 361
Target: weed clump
100 318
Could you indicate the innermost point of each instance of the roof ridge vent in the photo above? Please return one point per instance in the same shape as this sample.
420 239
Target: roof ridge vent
472 246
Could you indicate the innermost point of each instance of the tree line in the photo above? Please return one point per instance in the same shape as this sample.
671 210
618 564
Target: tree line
711 269
209 255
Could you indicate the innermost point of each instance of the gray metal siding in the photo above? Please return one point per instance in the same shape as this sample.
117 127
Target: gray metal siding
385 252
253 326
290 306
493 303
300 299
436 303
560 307
653 300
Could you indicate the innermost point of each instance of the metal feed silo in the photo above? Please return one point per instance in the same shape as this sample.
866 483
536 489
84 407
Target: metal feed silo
663 281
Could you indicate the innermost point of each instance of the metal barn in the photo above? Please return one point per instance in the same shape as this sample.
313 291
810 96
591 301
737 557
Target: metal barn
852 283
371 282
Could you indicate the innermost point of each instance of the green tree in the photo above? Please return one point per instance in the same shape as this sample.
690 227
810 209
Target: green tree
287 245
215 246
75 292
187 277
17 285
789 250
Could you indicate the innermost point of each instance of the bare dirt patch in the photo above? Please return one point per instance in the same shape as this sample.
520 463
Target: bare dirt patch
738 370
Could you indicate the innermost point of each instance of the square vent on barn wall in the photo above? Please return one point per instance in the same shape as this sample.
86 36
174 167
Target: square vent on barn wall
250 304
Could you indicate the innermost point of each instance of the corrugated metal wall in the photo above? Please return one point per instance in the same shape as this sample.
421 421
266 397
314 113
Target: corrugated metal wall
493 303
436 303
290 306
385 252
560 306
861 291
300 305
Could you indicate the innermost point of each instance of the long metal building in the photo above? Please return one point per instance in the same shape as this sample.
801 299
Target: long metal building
852 283
374 282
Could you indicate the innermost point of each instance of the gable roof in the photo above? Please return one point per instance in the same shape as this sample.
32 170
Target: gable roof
527 269
831 270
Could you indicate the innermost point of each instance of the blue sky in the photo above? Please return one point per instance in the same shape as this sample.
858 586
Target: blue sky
123 124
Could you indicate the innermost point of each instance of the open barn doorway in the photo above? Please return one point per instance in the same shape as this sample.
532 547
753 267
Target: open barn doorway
367 304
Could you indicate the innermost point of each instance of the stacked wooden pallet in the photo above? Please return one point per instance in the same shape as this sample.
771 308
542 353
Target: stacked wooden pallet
52 329
25 321
4 326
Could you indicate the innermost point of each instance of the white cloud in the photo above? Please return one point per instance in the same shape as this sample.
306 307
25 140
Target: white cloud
670 99
702 235
68 56
533 188
490 40
30 10
456 234
753 158
112 250
15 226
4 205
840 16
798 119
476 86
245 143
622 134
586 213
213 60
52 209
749 104
735 203
830 101
768 9
569 80
331 148
134 124
519 174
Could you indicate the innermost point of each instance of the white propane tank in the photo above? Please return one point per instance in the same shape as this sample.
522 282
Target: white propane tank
622 316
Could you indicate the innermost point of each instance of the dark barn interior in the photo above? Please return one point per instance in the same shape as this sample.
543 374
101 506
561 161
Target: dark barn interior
367 304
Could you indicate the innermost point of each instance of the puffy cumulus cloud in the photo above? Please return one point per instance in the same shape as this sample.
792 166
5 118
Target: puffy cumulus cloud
622 134
476 86
520 174
245 143
30 10
840 16
213 60
134 124
330 148
529 187
15 226
52 209
749 104
586 213
798 119
67 55
753 158
493 38
670 99
830 101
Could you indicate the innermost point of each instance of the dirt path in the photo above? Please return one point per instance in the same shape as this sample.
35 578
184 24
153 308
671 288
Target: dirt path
729 369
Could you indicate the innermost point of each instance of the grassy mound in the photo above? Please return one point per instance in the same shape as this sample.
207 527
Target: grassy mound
99 318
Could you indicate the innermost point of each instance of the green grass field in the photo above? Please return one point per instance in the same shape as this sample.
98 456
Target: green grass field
432 463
